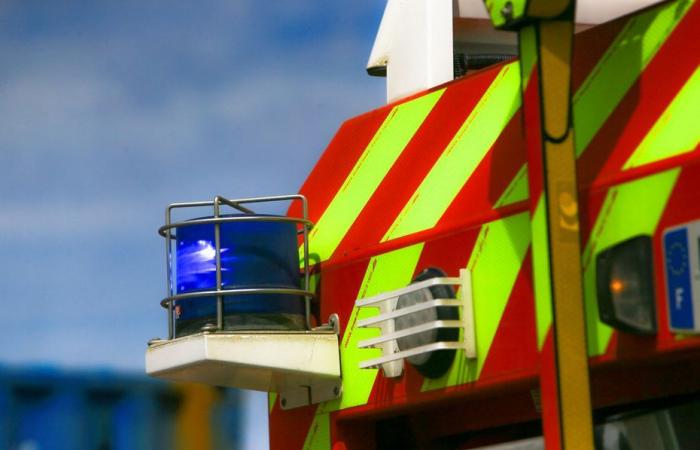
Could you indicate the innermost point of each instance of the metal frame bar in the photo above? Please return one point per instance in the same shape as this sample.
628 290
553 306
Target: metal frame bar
378 362
231 292
409 310
167 232
437 281
427 326
164 229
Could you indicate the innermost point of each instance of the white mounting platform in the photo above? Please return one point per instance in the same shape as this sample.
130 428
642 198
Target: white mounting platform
302 366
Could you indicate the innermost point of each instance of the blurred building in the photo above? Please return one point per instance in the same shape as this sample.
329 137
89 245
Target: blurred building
50 409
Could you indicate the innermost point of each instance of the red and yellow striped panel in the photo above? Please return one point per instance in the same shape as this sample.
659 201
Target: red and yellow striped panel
440 180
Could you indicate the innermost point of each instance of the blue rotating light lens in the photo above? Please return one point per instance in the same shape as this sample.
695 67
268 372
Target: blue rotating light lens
196 265
253 254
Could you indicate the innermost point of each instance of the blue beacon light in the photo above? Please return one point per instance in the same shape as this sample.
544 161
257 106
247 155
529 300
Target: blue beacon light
259 271
239 303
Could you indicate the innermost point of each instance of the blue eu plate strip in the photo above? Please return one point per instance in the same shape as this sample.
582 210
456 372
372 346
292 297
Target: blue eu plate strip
678 273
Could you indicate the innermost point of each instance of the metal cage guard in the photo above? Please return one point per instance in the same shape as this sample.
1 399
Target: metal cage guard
167 232
392 358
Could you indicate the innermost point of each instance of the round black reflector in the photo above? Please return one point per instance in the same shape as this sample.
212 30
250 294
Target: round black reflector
433 364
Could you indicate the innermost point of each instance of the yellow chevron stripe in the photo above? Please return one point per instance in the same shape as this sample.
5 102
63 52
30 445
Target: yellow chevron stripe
389 271
527 42
319 435
518 190
385 272
676 131
495 262
462 155
541 273
620 66
369 170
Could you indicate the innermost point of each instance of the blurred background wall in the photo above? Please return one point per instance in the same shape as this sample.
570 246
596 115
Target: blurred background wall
51 409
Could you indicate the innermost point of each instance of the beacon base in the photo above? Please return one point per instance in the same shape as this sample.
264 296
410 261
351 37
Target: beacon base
302 366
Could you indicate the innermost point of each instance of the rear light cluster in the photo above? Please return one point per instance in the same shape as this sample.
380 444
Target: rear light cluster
625 285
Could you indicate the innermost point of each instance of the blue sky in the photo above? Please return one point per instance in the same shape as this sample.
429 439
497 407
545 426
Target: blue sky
111 110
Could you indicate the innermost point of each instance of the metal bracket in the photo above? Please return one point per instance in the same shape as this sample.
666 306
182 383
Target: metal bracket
392 358
315 393
310 395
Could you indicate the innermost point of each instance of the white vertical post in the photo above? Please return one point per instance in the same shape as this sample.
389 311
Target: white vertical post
415 40
468 314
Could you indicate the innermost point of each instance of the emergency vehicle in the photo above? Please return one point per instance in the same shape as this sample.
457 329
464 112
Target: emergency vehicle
507 255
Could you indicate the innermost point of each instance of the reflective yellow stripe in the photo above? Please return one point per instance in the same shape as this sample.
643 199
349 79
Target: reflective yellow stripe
319 435
517 190
381 153
392 270
271 399
620 67
527 43
629 209
385 272
541 273
495 263
676 131
462 155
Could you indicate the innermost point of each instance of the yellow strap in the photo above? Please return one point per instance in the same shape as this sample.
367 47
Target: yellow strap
562 230
555 64
567 296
